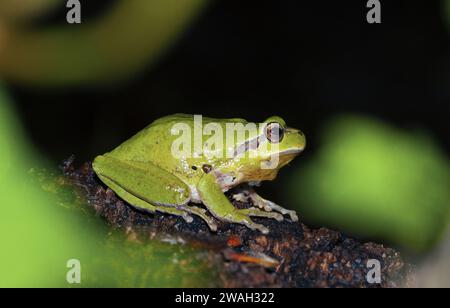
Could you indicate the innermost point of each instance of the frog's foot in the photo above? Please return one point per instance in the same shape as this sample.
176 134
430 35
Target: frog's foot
242 217
266 205
254 212
271 206
176 212
200 213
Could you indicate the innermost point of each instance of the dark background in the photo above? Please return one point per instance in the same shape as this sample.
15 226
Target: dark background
303 60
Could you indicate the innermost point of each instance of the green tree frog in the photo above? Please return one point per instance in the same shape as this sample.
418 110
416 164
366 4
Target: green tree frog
156 171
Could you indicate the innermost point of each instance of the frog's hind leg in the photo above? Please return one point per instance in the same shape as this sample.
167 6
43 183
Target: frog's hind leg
247 194
200 213
180 210
148 187
218 204
141 204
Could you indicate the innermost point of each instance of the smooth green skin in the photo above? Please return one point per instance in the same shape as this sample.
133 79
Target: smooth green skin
143 172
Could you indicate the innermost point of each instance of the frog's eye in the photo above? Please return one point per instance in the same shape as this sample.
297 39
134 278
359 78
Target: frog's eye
274 132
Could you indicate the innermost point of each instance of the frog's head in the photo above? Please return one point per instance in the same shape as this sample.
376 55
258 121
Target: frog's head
274 147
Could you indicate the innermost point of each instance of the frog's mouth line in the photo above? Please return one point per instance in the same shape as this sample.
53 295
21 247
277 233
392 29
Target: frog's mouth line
292 151
256 142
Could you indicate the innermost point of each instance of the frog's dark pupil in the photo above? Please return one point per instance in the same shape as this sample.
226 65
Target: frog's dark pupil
275 133
194 168
280 134
206 168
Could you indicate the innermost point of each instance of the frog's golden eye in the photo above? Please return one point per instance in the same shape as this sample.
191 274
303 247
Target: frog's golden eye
274 132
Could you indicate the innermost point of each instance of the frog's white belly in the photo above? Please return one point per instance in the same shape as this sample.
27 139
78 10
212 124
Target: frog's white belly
195 195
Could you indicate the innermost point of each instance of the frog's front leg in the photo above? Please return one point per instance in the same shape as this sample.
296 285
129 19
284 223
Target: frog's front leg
247 194
219 205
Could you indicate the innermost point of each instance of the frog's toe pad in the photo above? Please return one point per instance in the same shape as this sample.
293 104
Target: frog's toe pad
188 218
269 205
259 227
294 216
202 213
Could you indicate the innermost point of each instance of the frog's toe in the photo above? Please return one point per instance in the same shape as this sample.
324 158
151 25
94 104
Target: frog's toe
271 206
241 197
211 224
202 214
188 218
254 226
254 212
242 217
293 215
259 227
173 211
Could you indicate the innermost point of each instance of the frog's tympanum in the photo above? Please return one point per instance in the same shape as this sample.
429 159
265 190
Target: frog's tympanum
150 174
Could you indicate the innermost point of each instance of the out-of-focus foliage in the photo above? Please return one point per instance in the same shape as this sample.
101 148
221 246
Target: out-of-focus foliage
13 11
34 238
375 180
124 263
41 229
120 43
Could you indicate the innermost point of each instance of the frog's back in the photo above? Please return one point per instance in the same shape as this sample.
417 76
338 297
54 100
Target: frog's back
171 120
154 143
149 144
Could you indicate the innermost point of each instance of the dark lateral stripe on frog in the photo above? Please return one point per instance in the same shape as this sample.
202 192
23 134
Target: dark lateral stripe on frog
246 146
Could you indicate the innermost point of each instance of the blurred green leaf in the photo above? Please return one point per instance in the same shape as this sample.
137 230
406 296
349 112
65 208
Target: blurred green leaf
41 230
120 43
13 11
376 181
